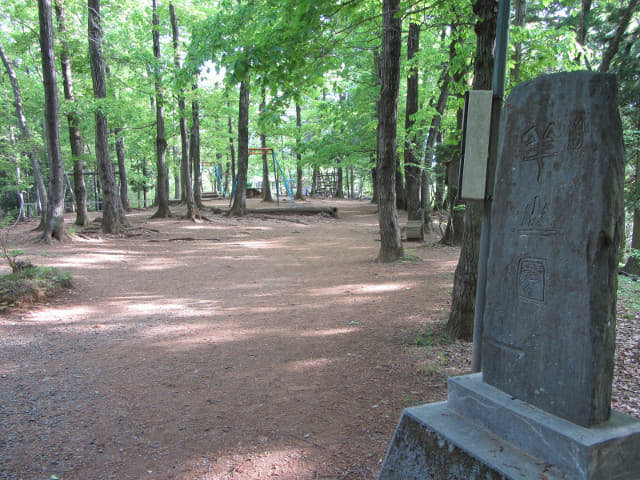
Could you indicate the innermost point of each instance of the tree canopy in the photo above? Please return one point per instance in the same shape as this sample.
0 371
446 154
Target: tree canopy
324 56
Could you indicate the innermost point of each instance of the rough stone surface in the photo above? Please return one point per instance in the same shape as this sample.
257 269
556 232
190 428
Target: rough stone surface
603 452
434 443
549 324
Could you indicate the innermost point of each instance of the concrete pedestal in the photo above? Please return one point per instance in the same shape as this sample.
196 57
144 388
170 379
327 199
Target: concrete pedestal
483 433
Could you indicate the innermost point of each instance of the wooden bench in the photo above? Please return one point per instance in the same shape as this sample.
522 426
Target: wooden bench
415 230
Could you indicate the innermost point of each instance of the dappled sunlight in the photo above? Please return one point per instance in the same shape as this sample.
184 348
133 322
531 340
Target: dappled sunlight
231 228
258 458
362 289
218 351
326 332
153 265
56 314
307 364
185 337
147 308
9 368
96 259
260 244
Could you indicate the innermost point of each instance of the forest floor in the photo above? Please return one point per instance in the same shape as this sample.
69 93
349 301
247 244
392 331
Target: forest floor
252 348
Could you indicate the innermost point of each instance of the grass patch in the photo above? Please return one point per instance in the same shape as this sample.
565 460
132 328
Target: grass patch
30 285
432 337
629 293
410 257
430 370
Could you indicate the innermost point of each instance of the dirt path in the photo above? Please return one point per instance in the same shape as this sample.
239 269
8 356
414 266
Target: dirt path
252 348
241 348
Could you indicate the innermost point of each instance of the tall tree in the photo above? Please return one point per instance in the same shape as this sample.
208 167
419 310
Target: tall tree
266 184
25 136
460 323
185 164
17 165
633 262
614 43
54 223
194 147
299 193
239 207
391 243
433 132
581 32
112 215
122 169
339 179
73 119
162 184
232 150
411 162
519 22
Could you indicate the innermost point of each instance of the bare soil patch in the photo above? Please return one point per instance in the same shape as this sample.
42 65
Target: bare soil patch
250 348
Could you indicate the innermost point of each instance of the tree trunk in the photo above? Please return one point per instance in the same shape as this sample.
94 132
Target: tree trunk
375 196
145 189
75 136
162 190
582 30
299 186
374 185
314 181
239 207
232 150
111 209
54 223
520 21
460 324
266 183
122 170
226 177
391 243
177 181
16 164
352 183
614 43
339 181
434 132
401 193
25 136
194 148
411 163
633 263
185 166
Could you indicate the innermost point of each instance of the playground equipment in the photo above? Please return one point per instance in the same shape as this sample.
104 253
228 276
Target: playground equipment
224 193
325 184
264 151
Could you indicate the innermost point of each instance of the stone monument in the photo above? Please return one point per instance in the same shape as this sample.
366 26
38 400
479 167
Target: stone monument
541 409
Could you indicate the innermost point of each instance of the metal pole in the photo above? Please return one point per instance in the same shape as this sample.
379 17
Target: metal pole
275 172
284 180
499 73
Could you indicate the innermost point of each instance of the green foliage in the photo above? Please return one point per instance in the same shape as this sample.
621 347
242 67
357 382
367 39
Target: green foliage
424 339
432 337
410 257
319 54
30 285
629 292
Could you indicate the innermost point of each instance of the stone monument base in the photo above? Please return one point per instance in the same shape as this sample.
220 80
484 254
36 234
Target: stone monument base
483 433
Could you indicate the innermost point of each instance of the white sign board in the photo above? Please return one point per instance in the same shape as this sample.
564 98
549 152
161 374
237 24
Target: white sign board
475 153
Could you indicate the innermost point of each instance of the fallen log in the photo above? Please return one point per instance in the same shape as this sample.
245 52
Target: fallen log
332 211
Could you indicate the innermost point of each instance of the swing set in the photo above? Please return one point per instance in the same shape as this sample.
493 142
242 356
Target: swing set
276 163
